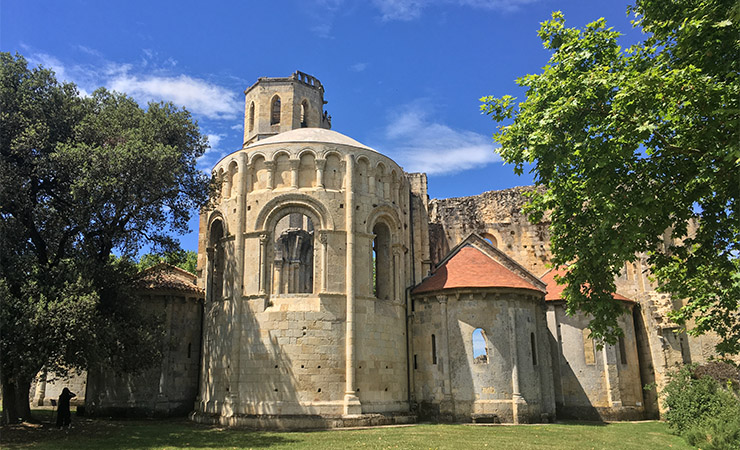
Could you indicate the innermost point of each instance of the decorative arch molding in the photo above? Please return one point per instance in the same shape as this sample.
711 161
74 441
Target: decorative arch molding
299 203
386 214
305 150
217 215
278 152
255 155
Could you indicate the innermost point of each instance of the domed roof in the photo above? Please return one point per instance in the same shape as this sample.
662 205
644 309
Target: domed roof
317 135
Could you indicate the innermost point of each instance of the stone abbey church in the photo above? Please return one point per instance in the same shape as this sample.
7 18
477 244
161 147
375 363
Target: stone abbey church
336 293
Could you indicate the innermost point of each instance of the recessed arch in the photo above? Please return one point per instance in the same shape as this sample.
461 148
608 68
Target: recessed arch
386 214
266 218
251 117
490 238
382 261
304 113
293 253
216 258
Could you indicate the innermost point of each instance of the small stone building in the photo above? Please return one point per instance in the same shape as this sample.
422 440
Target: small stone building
169 388
479 293
592 383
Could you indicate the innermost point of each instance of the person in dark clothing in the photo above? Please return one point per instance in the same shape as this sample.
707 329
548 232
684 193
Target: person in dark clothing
64 417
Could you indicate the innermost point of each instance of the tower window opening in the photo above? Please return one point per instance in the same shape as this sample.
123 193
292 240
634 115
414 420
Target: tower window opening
434 350
217 261
293 255
275 111
533 343
251 117
304 114
480 347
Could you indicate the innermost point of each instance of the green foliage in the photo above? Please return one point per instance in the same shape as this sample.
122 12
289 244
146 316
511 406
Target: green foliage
184 259
633 143
701 410
80 178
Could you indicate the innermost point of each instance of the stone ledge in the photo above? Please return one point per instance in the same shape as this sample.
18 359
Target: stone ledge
302 422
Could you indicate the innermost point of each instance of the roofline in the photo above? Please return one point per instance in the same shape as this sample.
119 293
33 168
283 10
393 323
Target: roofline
295 77
487 289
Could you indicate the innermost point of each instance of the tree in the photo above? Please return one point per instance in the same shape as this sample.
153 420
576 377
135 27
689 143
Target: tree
80 178
630 143
184 259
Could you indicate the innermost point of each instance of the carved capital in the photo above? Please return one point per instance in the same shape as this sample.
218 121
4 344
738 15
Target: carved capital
321 164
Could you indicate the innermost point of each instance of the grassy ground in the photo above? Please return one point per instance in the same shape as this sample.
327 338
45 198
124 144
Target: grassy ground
180 433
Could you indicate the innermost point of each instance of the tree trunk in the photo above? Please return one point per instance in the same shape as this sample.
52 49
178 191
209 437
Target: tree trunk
16 406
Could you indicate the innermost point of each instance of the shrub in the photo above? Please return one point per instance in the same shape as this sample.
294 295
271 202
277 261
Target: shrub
702 406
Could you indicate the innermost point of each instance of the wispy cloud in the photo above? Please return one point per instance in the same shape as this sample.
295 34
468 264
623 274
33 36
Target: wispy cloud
421 145
150 80
406 10
199 96
358 67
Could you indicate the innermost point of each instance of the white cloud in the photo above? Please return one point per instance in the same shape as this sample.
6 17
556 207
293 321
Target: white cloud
147 83
199 96
406 10
358 67
421 145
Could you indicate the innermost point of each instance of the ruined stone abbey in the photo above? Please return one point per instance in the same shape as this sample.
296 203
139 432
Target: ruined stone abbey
337 294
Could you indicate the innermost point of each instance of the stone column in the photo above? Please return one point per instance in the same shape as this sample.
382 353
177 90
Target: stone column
323 239
611 376
516 396
294 165
448 404
270 165
352 404
320 166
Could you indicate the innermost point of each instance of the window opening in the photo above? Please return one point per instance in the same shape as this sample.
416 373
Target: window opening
533 343
622 350
251 117
304 114
588 348
434 350
480 348
217 263
275 116
293 258
382 262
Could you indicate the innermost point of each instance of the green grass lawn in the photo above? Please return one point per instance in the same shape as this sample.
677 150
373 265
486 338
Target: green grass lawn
173 434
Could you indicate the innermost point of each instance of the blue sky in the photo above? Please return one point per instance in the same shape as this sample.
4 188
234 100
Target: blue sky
403 77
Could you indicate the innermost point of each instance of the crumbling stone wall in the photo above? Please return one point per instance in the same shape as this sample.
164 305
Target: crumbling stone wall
495 215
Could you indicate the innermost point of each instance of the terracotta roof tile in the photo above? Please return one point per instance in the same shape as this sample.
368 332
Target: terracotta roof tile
471 268
167 277
555 290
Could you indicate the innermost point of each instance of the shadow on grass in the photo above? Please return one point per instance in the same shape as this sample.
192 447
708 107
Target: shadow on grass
136 434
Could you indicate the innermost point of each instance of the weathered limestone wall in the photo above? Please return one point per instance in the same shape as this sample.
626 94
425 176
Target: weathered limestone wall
49 386
168 389
497 217
592 383
512 385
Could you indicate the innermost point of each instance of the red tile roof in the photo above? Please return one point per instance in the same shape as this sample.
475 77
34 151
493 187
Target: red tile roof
555 290
167 277
471 268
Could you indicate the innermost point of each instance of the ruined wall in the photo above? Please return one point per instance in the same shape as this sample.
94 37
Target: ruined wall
496 216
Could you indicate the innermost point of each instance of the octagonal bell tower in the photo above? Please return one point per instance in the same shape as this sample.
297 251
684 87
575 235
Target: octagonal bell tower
275 105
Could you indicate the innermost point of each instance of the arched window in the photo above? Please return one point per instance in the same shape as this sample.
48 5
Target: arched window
304 114
480 347
293 255
217 260
275 111
251 117
491 239
382 262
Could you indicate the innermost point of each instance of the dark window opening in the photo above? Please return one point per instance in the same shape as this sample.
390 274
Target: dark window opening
533 343
416 366
190 347
434 350
275 112
622 351
304 114
382 262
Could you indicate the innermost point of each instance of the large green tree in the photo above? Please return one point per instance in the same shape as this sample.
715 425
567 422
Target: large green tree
631 143
81 178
